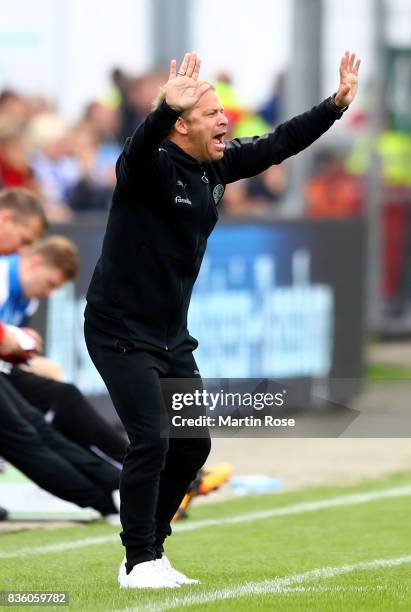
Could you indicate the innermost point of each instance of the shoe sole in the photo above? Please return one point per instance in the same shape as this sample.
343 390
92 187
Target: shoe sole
163 586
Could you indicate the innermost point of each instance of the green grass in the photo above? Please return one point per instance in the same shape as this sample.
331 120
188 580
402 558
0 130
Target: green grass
230 555
381 371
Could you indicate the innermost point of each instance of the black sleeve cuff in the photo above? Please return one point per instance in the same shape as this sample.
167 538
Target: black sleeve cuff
334 108
166 110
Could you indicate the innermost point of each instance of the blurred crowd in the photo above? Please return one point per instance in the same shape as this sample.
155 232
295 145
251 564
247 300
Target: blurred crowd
72 167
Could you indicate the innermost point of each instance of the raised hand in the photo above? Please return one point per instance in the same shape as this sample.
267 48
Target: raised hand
182 88
348 87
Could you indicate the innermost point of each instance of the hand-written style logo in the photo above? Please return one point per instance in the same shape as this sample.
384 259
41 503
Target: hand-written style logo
218 193
181 184
180 200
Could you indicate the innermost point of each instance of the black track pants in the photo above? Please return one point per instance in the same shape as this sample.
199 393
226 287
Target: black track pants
156 471
50 460
74 416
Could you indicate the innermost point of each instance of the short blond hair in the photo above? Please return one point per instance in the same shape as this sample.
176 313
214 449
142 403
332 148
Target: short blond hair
58 252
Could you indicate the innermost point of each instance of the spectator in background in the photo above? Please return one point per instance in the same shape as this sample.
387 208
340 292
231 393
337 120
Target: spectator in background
126 112
105 123
35 274
48 458
44 267
53 164
258 196
272 109
22 219
15 169
26 440
136 97
94 188
243 122
14 108
332 191
38 105
266 190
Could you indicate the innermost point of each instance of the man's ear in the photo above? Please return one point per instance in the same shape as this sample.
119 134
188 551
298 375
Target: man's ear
181 126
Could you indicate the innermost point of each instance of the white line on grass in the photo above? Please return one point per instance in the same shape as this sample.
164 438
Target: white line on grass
336 589
333 502
58 547
301 508
278 585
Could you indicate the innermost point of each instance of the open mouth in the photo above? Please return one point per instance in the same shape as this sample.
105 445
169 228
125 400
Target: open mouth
218 141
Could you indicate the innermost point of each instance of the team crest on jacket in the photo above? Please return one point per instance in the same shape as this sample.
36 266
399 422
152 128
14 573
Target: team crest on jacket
218 193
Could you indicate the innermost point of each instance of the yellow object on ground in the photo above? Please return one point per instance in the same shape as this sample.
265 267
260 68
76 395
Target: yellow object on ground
208 479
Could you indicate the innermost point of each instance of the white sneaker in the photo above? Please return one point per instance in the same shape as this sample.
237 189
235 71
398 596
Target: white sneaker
168 571
113 520
145 576
122 570
115 496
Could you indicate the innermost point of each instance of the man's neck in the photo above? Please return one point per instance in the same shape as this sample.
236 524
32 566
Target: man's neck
182 143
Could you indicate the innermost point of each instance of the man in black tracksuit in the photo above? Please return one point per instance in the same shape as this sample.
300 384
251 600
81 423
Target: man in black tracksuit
170 179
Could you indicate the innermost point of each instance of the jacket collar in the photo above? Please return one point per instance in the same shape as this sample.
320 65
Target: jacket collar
179 155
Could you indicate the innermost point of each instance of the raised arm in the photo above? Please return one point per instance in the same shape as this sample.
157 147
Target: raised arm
245 157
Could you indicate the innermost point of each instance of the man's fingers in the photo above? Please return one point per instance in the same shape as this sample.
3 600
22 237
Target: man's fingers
184 64
349 63
191 65
352 61
345 62
173 70
196 69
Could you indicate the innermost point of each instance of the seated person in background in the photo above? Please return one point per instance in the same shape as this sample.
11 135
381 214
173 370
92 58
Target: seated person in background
26 440
22 219
45 456
34 275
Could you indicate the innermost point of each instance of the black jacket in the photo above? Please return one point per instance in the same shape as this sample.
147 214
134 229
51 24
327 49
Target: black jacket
164 207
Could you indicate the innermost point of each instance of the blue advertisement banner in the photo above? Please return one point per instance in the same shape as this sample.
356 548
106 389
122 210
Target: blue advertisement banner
283 300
